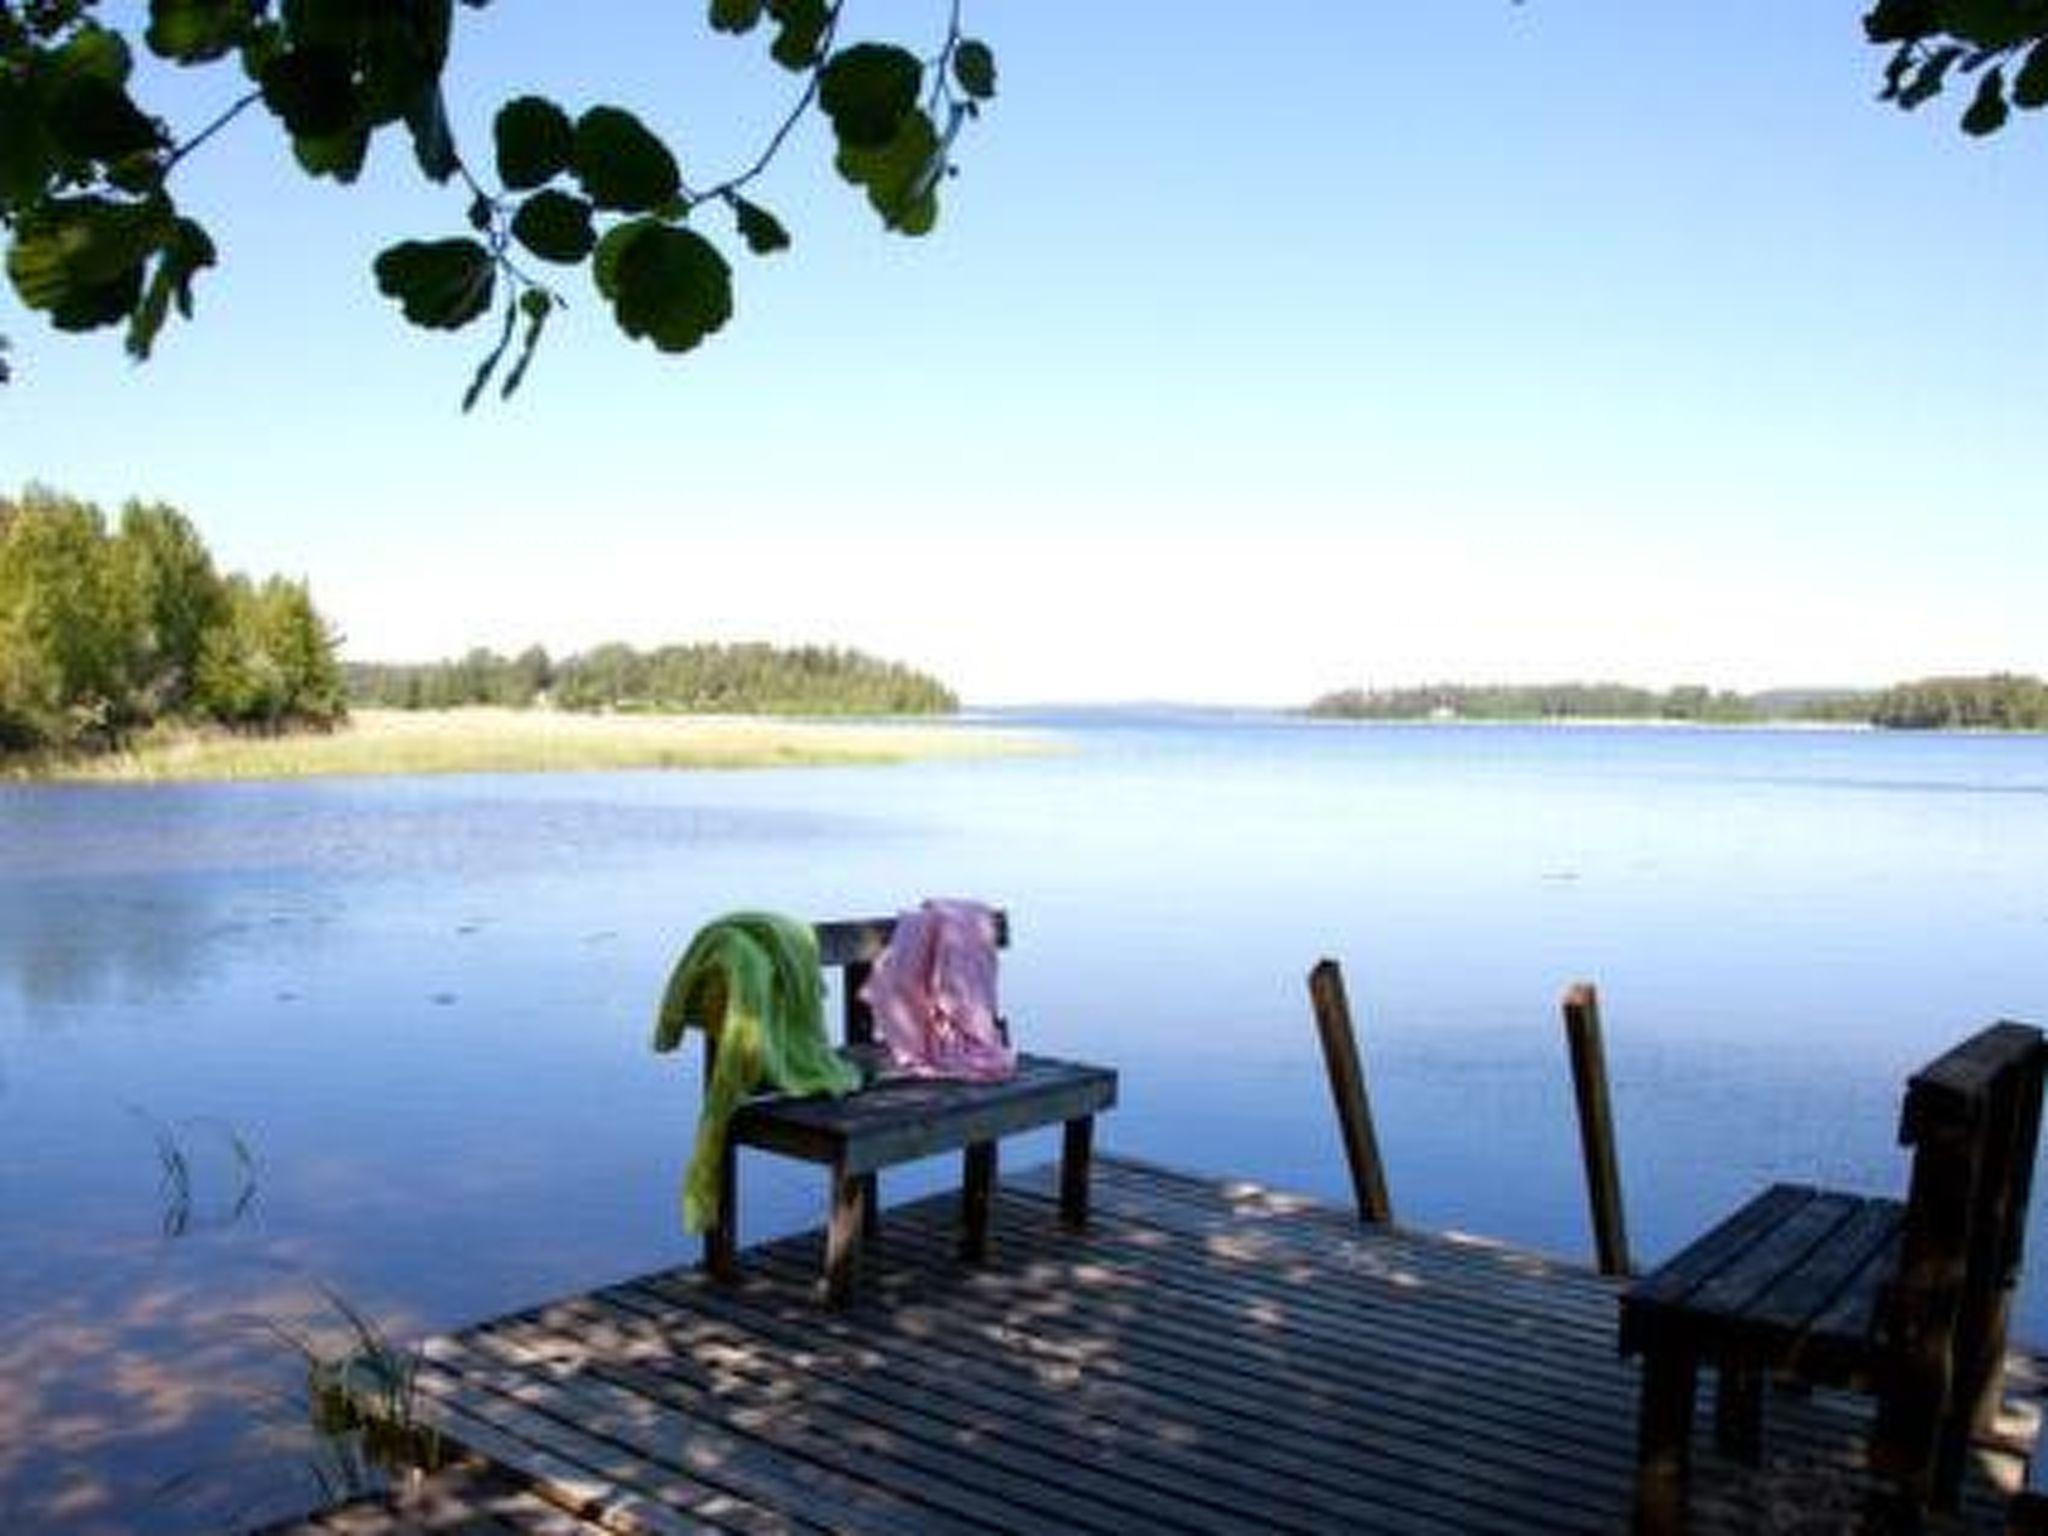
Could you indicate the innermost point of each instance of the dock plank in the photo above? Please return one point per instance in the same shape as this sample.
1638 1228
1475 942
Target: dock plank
1205 1357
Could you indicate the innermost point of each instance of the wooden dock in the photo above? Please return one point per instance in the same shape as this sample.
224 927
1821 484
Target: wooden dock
1208 1357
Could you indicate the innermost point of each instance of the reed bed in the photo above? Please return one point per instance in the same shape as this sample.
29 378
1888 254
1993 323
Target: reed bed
486 740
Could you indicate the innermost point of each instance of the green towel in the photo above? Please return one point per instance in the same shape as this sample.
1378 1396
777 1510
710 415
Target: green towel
750 981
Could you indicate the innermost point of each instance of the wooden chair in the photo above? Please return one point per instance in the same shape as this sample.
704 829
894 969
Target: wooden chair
902 1120
1906 1301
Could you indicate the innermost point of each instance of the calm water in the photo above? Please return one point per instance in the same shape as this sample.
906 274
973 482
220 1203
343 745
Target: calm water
422 1007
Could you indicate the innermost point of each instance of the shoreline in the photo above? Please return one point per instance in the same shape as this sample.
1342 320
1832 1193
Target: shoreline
487 739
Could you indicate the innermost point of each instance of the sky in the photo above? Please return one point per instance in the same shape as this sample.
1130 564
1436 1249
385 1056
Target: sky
1255 355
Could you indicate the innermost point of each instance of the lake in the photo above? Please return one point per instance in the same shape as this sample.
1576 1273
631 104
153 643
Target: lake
263 1046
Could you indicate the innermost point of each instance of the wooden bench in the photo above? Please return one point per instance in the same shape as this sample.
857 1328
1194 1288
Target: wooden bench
902 1119
1906 1300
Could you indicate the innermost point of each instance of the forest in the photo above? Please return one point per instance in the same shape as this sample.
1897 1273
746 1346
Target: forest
111 627
751 678
2000 701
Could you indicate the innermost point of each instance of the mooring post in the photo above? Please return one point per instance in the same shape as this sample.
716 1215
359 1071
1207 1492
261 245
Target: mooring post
1596 1126
1347 1088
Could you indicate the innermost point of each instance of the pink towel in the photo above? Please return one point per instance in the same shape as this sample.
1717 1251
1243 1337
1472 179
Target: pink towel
933 992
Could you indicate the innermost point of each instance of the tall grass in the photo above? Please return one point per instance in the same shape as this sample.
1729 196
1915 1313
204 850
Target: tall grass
486 740
176 1186
363 1400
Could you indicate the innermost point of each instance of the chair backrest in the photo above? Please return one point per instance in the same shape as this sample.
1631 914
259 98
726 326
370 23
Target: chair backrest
852 944
1973 1119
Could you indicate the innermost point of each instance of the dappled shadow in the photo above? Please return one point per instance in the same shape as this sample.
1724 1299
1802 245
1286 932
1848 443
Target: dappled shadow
1204 1356
171 1406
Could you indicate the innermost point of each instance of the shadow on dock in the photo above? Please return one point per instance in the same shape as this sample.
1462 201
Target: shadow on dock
1207 1357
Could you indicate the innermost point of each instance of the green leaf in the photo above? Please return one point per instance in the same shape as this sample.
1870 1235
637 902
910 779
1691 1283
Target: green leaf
734 16
604 264
901 178
94 119
803 25
489 365
1987 110
537 307
339 155
868 90
92 53
974 66
2030 85
85 106
81 259
193 31
433 144
762 231
440 284
1927 80
29 159
669 286
312 90
535 141
185 250
620 164
1991 24
554 226
1899 21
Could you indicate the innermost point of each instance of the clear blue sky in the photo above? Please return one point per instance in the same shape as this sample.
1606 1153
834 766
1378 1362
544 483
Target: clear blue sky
1361 345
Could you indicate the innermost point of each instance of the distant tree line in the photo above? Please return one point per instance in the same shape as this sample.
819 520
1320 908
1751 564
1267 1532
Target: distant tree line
684 679
1543 701
108 630
2001 701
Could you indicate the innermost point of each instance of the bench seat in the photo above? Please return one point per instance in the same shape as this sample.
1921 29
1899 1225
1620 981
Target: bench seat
900 1119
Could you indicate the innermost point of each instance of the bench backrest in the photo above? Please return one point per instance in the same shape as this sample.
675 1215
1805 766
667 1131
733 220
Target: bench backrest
851 945
1973 1119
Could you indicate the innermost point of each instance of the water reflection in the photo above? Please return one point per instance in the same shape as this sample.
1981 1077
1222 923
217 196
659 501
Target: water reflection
424 1005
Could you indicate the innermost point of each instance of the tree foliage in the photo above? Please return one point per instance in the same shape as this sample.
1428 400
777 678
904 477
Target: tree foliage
2001 701
103 633
684 679
1999 47
96 237
1541 701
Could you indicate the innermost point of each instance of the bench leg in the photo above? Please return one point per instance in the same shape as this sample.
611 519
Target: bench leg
870 1207
721 1238
1739 1411
841 1232
1664 1438
1077 1153
977 1199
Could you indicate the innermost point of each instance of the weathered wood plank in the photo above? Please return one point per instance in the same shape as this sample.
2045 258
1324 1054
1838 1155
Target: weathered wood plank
1679 1276
1180 1451
1203 1358
1798 1297
1139 1441
1501 1278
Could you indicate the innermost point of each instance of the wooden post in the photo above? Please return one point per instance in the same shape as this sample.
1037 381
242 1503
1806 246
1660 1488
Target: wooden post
1347 1088
1596 1126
